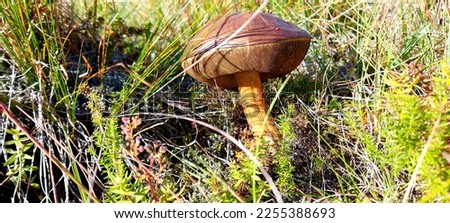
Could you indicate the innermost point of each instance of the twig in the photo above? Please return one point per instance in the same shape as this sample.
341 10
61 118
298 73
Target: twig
426 147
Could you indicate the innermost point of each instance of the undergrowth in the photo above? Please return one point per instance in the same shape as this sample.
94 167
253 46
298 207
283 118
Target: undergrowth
364 118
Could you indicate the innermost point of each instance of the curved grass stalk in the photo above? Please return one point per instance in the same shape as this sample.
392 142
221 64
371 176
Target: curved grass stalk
12 118
266 175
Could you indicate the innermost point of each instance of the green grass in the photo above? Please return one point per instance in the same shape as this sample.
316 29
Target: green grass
364 118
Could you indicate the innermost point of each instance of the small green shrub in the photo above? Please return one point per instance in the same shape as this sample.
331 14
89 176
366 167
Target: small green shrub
283 167
21 168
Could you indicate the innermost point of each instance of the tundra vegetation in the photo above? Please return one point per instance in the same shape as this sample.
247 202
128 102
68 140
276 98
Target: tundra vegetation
97 107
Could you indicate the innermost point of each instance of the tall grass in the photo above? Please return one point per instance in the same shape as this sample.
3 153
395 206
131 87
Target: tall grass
365 117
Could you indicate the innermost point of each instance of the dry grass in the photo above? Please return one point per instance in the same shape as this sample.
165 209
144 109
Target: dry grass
364 117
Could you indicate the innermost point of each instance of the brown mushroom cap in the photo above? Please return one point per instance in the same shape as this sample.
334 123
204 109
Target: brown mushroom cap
267 45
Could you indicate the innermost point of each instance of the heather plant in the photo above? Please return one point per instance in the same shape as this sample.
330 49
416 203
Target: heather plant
96 106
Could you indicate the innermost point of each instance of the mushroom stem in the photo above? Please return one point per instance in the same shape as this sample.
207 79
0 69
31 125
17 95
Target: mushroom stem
253 103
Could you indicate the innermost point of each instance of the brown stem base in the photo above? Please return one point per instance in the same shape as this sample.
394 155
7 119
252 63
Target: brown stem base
253 103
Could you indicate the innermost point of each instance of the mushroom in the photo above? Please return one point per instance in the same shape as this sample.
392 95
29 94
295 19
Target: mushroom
265 47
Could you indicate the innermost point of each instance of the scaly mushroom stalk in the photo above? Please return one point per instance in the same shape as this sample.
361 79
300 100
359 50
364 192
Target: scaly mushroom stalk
254 106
